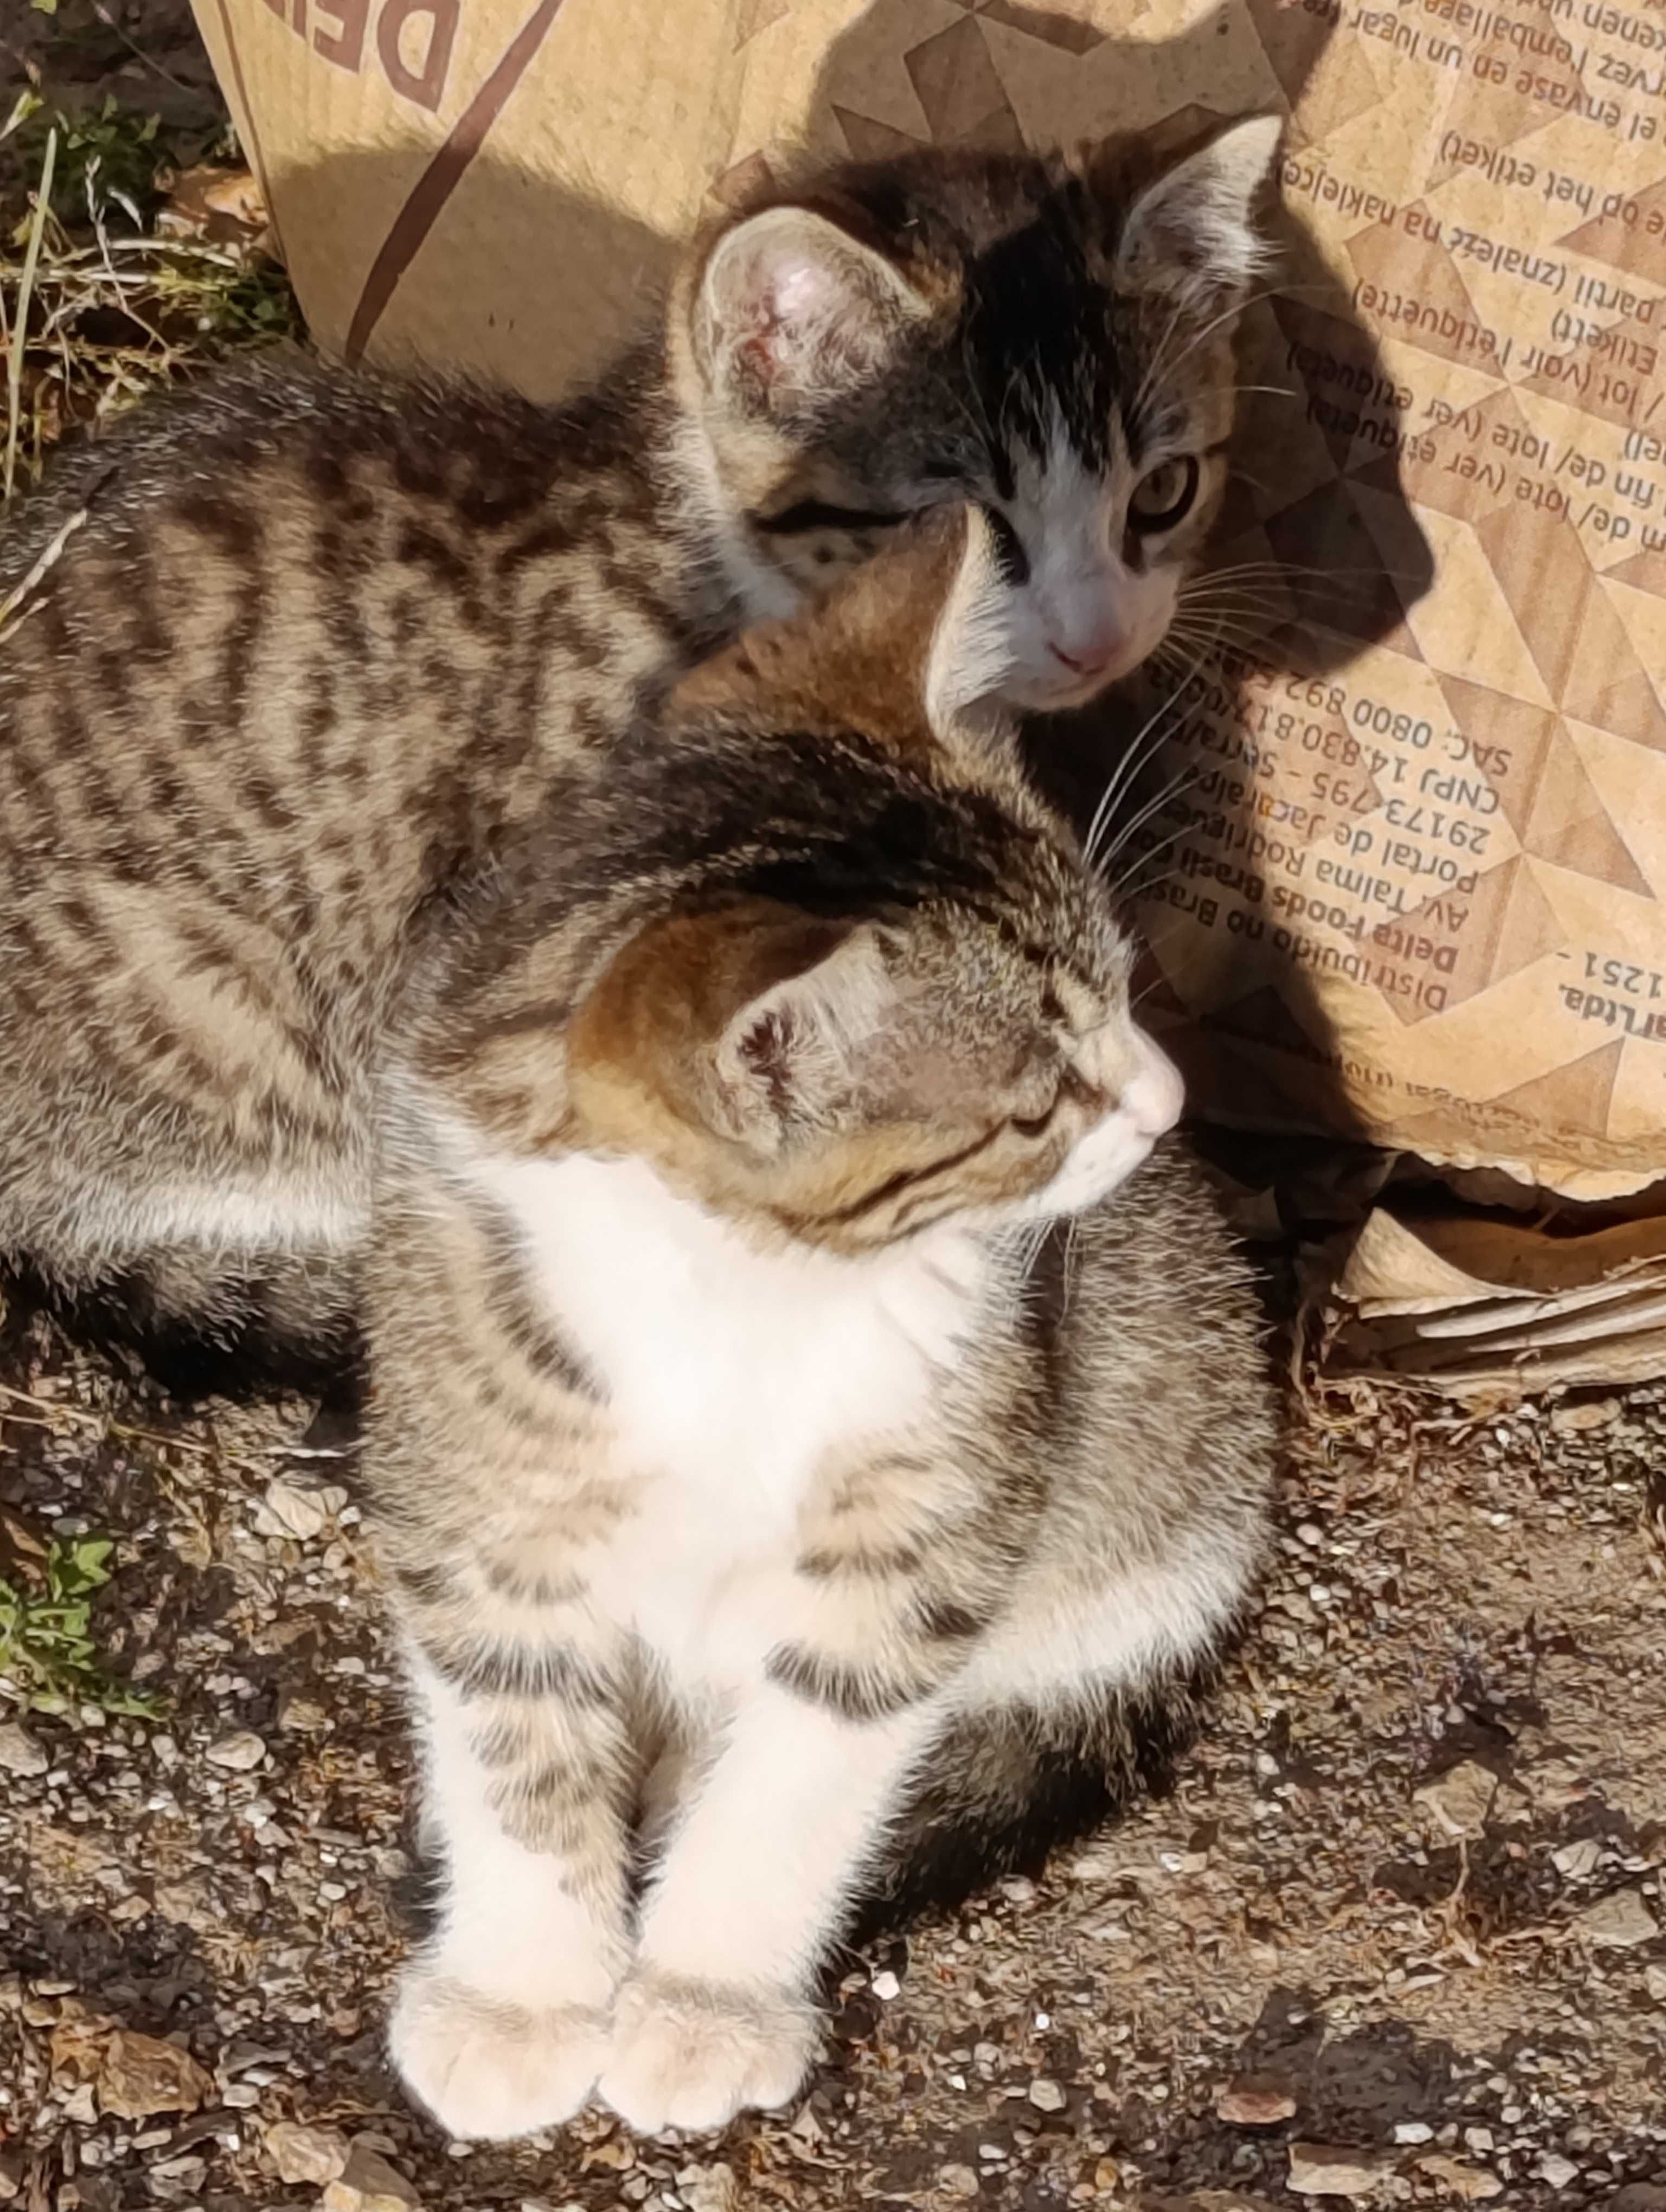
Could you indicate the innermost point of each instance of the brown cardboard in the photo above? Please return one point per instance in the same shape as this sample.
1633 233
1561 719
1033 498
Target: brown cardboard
1479 1308
1417 893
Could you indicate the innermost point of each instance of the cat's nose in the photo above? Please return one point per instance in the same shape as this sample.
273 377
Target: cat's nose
1155 1093
1092 653
1085 667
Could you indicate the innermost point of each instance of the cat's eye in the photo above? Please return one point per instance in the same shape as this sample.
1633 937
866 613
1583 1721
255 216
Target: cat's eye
1032 1126
1164 495
809 514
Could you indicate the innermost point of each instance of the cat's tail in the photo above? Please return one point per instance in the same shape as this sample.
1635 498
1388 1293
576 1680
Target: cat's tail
203 1324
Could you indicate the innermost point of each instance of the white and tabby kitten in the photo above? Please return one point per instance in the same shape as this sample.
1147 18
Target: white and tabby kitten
809 1459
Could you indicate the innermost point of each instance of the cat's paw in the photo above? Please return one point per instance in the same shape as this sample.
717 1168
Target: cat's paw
691 2055
489 2070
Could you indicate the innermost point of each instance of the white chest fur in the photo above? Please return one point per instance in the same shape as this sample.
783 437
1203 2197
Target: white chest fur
734 1374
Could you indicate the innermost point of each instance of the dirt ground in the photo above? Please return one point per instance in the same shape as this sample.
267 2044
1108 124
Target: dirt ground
1404 1901
1398 1935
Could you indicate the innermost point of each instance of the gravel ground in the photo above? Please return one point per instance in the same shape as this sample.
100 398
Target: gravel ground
1398 1933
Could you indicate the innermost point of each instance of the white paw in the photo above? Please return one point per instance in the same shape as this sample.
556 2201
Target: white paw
487 2068
691 2055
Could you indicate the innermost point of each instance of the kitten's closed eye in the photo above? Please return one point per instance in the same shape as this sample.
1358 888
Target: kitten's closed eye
807 514
1033 1125
1164 495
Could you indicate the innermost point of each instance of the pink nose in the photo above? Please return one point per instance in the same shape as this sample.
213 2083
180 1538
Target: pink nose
1082 667
1098 654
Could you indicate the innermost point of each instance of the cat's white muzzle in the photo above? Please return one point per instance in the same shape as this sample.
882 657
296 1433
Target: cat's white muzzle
1148 1107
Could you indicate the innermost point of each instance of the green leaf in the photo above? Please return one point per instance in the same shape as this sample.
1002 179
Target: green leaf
27 103
44 6
46 1643
90 1555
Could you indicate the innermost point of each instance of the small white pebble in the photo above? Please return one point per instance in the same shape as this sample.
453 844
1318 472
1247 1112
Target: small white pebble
885 1986
1044 2020
1412 2131
238 1751
1310 1534
1046 2095
1556 2170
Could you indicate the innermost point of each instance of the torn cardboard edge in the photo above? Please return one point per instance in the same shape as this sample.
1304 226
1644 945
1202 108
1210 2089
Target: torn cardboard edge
1472 1305
1468 1284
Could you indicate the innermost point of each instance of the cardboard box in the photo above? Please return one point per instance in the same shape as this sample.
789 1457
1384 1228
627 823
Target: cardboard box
1416 896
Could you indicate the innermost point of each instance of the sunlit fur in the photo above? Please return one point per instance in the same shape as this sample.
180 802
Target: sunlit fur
1051 336
293 651
814 1446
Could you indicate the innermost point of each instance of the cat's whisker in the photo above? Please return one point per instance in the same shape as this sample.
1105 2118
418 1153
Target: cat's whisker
1227 315
1224 627
1171 790
1124 886
1133 760
1155 365
1235 629
1197 953
1271 592
1144 749
1252 598
1244 390
1230 606
1376 572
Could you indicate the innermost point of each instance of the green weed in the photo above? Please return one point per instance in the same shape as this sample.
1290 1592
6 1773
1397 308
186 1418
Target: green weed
46 1645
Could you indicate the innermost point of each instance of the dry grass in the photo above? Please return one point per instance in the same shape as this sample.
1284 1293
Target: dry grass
120 273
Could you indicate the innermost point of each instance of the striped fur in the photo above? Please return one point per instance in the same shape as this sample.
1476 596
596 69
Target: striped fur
304 644
809 1459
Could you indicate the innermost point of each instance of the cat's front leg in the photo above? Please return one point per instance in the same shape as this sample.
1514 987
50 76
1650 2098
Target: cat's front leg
719 2012
501 2025
894 1583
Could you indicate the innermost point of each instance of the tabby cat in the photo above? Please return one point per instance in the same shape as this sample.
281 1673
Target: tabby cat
797 1455
285 654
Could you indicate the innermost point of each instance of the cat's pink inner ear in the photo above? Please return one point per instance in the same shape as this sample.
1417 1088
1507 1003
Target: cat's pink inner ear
792 308
1195 228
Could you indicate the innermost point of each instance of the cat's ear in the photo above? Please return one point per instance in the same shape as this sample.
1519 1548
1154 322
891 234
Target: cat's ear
791 310
789 1056
1194 229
